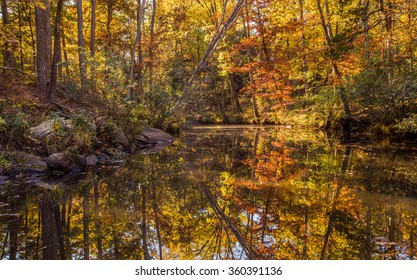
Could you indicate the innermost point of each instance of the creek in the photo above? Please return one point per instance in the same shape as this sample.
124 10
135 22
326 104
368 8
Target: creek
224 192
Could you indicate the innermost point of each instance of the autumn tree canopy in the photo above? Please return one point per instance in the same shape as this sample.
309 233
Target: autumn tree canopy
334 64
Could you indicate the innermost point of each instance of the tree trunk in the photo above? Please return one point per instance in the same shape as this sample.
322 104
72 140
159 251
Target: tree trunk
255 109
152 46
57 51
332 217
366 33
147 256
98 222
3 250
43 46
86 224
22 63
8 56
64 49
93 28
303 46
234 93
328 34
138 41
27 10
92 43
216 39
81 46
223 217
155 211
411 37
13 229
389 55
49 234
60 233
108 27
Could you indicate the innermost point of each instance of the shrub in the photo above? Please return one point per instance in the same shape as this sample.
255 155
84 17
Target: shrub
83 134
407 125
14 129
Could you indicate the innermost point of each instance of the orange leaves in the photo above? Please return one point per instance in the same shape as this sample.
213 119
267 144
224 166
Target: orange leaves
271 167
244 45
269 83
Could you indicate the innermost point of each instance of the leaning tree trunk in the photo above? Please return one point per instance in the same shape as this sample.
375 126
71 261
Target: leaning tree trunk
328 35
216 39
212 46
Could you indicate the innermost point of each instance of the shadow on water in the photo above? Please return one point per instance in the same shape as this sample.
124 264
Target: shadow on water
223 193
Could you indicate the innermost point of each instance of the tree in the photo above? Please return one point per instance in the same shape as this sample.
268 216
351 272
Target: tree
152 46
137 43
57 49
328 34
43 46
81 46
216 39
93 28
8 55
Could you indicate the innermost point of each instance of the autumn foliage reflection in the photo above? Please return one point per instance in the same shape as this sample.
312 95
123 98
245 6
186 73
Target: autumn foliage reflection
270 193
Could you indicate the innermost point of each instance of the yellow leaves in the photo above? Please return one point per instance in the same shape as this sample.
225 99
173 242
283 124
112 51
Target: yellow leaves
40 4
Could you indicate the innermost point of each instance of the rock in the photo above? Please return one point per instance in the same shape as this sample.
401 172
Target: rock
59 161
4 180
49 127
27 163
153 136
91 160
79 163
48 185
103 158
119 138
142 139
115 153
116 162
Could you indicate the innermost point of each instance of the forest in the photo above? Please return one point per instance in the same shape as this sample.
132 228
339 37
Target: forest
342 65
294 120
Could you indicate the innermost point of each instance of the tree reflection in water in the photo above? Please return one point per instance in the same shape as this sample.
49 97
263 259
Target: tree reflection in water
223 193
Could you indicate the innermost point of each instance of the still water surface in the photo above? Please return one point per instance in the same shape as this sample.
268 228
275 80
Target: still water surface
224 193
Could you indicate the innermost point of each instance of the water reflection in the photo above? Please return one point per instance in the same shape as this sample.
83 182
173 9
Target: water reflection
224 193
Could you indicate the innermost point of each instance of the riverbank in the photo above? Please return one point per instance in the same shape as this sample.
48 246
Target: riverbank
66 134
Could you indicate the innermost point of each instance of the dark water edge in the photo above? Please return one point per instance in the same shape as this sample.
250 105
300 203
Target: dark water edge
225 192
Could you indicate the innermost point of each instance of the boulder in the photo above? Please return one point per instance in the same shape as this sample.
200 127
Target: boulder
49 127
153 136
102 158
60 161
91 160
119 138
27 163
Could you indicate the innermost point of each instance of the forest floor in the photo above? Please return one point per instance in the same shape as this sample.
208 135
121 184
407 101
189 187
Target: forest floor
19 95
